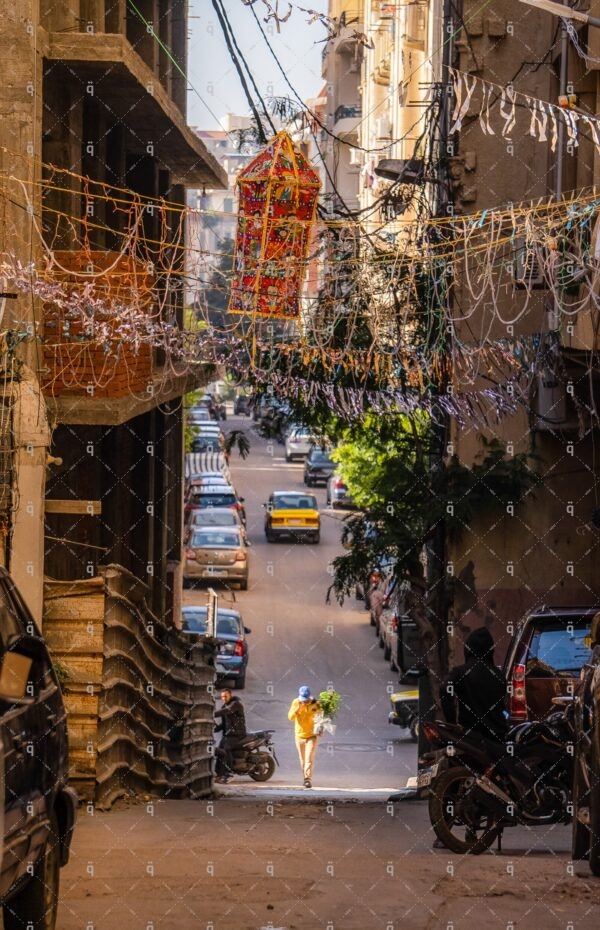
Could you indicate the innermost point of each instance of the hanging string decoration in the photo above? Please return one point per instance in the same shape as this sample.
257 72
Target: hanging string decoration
278 194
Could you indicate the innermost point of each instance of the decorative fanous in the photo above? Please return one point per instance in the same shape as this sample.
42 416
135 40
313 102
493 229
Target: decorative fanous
278 193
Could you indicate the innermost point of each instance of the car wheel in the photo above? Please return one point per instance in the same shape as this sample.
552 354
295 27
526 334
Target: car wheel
244 585
414 730
240 683
269 535
35 905
317 539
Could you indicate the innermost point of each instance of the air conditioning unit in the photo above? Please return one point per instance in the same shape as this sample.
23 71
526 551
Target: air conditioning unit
383 128
527 268
356 157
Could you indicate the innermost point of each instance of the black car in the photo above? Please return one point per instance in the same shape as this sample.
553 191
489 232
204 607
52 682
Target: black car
232 657
241 405
586 781
318 466
38 809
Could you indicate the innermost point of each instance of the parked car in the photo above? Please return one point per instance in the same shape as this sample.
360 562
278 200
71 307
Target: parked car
216 553
586 778
318 466
207 442
217 516
207 429
338 494
232 656
298 443
393 610
290 513
206 463
39 808
405 710
380 599
241 405
211 496
197 415
545 657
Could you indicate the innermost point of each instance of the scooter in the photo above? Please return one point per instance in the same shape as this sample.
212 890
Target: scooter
479 786
250 759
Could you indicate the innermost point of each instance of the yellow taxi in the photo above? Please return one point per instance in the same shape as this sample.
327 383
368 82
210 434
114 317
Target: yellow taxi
292 513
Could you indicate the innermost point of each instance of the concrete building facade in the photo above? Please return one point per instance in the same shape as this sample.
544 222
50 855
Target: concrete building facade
95 475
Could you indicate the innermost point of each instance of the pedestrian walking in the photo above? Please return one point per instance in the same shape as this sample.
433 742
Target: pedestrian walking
302 712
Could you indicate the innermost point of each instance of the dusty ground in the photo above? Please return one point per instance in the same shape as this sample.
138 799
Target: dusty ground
245 865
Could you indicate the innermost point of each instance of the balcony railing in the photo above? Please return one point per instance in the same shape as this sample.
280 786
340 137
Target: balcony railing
347 112
85 351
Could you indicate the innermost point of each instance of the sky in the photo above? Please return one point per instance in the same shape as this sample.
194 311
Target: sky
217 88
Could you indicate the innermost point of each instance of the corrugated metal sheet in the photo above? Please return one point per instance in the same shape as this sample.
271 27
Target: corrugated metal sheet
139 694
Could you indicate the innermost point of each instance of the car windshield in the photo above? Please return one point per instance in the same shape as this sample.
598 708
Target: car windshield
215 518
215 539
294 502
214 500
560 647
194 621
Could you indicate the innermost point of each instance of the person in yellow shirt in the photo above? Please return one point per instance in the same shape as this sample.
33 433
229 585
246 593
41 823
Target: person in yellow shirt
303 711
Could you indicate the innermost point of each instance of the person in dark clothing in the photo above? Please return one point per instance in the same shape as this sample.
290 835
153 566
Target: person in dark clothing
233 728
474 693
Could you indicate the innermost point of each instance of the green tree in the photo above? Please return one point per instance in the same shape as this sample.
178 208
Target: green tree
394 475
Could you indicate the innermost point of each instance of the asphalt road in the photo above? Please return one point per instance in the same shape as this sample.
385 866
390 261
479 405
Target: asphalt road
297 638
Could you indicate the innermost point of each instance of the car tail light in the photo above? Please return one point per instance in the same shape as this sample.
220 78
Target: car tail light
190 554
338 483
518 702
238 649
240 555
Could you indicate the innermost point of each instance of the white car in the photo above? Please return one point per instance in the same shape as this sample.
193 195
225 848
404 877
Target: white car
298 444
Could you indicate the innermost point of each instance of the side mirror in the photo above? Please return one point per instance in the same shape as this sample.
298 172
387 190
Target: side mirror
247 629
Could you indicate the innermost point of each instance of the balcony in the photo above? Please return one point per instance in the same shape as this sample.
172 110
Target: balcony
91 373
346 120
132 96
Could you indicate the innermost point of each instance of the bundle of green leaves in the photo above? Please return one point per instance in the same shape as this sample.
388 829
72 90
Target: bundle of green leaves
330 702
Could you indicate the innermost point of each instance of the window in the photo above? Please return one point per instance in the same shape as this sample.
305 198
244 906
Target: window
211 540
560 647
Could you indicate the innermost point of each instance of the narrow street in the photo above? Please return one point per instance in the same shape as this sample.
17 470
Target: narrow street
340 857
297 638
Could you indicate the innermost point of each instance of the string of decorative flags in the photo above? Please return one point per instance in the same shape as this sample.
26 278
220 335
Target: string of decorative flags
544 118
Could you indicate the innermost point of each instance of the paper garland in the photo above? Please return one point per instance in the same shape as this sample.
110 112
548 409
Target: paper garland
544 117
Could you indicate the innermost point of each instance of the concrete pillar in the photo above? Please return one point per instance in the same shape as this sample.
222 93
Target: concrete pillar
93 15
58 15
179 24
26 549
115 19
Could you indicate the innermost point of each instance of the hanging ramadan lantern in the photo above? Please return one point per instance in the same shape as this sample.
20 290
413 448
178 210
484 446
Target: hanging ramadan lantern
278 193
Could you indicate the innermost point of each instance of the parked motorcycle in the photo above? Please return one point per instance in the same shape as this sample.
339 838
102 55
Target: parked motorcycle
254 760
480 786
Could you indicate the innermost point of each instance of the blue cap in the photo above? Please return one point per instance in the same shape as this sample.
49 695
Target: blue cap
304 693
